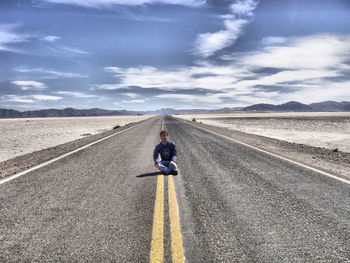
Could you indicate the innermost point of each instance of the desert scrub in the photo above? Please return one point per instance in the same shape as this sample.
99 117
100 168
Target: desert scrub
194 119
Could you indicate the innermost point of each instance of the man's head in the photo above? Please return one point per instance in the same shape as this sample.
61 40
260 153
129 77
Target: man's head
164 136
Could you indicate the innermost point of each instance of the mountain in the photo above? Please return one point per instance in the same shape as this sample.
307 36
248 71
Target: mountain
331 106
293 106
5 113
289 106
260 107
227 110
297 106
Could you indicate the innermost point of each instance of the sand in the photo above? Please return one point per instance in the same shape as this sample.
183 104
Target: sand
330 130
22 136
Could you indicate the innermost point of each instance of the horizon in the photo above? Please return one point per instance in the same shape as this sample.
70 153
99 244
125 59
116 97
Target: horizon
178 109
147 55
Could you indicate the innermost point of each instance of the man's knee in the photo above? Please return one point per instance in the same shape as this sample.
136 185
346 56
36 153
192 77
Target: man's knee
172 165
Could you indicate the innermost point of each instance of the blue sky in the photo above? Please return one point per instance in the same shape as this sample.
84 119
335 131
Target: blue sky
152 54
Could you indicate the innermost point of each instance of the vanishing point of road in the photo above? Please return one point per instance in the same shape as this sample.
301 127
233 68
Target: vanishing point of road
229 203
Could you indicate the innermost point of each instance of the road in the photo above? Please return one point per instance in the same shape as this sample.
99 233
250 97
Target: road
235 204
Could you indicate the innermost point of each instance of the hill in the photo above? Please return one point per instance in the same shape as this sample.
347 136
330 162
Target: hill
289 106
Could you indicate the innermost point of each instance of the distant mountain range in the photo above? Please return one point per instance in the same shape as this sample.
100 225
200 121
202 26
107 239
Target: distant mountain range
297 106
68 112
71 112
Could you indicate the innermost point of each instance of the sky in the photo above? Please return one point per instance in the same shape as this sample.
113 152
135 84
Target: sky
183 54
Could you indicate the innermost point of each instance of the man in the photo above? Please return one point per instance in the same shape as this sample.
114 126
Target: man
167 151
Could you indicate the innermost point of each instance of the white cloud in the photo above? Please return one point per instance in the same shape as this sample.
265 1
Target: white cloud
311 52
104 87
337 91
68 51
8 37
75 94
268 41
73 50
110 3
30 85
50 38
46 97
244 7
147 77
176 78
48 73
312 66
30 98
192 98
20 99
207 44
129 94
133 101
287 76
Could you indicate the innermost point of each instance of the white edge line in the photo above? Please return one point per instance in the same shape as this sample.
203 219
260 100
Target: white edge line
14 176
275 155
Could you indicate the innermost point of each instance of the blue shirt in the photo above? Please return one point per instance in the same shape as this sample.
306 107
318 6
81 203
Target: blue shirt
167 151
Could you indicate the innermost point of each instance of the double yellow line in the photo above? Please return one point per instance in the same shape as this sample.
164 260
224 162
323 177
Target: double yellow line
157 247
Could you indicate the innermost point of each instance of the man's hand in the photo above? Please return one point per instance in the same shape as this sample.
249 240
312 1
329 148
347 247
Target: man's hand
158 166
171 163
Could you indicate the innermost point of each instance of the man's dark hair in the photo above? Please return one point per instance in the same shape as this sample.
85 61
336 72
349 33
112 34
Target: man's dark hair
164 132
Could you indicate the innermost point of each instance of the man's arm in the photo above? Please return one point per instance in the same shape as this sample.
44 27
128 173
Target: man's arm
156 155
174 154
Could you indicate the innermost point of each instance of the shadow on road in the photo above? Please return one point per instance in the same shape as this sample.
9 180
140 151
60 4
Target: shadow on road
148 174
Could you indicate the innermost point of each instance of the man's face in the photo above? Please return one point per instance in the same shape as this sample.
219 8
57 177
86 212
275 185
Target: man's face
164 137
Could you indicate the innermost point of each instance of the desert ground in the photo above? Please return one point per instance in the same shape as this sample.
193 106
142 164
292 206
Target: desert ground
330 130
22 136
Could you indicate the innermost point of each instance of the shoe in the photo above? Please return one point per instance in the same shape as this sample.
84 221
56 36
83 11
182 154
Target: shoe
174 172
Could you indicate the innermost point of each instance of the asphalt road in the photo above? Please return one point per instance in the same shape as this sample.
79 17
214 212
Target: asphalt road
93 206
242 205
236 204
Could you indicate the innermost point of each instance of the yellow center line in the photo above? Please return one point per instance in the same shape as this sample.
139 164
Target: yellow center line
175 229
157 247
157 250
156 254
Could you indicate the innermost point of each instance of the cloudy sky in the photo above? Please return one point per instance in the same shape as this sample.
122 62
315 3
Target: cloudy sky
152 54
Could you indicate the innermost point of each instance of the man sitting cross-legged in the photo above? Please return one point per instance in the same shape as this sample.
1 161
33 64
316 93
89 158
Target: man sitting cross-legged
167 151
